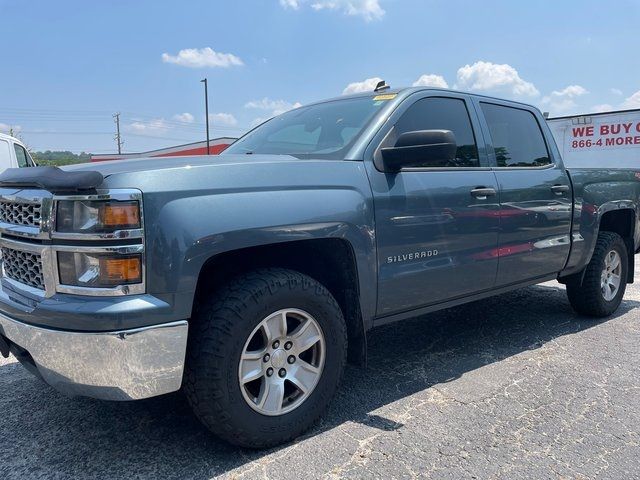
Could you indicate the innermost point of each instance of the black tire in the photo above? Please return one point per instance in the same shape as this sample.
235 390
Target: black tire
219 329
587 298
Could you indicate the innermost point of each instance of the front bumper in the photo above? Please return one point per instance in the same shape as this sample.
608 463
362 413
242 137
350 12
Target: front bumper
118 365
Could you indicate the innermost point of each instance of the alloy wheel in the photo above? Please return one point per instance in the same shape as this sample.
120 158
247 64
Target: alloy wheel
610 277
282 362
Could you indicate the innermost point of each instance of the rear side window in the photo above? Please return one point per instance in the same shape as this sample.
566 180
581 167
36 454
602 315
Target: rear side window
516 136
439 113
21 155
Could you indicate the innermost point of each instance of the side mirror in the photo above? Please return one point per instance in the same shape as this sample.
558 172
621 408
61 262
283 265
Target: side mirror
422 148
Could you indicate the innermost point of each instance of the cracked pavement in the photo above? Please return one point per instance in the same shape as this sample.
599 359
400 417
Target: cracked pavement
515 386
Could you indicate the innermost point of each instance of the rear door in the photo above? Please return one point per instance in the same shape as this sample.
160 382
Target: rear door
5 155
535 194
436 238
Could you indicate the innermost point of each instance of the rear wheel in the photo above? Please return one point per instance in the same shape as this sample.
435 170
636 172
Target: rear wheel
605 278
265 357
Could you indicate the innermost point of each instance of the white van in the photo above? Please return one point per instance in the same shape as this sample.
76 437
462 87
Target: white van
599 140
13 153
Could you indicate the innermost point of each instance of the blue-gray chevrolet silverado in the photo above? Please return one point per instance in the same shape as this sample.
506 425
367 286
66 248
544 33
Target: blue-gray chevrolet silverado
249 279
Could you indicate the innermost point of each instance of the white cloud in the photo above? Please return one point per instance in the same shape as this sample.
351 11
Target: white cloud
616 91
430 80
633 101
202 57
571 91
223 119
185 117
275 106
365 86
487 76
603 107
367 9
6 128
157 125
564 100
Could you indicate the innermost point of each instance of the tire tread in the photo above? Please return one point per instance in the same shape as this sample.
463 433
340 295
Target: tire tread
586 298
215 318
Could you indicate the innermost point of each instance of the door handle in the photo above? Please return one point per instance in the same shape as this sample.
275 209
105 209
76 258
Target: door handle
481 193
560 189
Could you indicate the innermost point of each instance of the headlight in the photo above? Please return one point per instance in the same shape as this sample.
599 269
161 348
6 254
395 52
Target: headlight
99 270
95 216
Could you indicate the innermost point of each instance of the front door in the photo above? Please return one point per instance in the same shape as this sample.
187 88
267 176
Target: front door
437 228
535 196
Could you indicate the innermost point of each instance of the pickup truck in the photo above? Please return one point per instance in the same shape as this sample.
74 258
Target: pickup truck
13 154
249 279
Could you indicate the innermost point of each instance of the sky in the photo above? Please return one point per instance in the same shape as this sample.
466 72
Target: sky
67 66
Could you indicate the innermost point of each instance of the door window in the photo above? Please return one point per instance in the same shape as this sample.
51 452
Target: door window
440 113
21 155
516 136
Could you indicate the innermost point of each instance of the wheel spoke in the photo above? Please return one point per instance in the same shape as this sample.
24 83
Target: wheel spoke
614 281
303 375
275 326
607 291
272 396
251 367
306 336
614 261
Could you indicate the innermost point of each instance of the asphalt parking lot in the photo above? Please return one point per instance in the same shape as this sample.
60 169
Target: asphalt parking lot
517 386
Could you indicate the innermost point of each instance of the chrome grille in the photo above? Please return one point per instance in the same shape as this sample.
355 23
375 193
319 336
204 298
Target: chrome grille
20 213
23 267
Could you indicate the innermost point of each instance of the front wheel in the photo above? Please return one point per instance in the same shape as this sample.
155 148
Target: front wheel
605 278
265 357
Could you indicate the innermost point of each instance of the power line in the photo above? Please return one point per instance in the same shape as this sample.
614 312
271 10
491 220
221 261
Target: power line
97 115
141 135
144 126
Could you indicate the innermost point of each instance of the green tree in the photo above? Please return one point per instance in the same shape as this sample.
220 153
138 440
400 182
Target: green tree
50 157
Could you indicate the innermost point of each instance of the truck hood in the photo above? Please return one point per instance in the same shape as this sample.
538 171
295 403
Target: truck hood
112 167
227 174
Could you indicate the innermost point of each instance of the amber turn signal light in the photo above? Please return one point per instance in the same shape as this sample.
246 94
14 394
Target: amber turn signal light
120 270
120 214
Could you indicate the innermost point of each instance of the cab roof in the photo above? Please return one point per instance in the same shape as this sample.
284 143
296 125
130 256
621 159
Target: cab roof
406 91
4 136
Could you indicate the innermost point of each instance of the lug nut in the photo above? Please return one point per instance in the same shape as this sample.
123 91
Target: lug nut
282 373
269 371
266 358
288 345
291 359
276 344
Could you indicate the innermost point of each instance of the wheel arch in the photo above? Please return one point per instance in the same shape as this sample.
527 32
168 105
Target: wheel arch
623 222
616 217
330 261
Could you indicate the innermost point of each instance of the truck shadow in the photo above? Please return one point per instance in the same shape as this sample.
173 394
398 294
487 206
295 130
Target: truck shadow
46 434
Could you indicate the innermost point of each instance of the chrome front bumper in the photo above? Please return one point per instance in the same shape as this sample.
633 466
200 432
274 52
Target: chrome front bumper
124 365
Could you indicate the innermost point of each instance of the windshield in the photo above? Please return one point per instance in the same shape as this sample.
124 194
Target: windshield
325 130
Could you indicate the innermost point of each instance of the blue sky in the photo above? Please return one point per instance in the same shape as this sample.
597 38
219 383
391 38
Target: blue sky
68 65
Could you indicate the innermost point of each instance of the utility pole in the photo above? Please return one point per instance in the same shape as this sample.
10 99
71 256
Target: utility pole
117 138
206 109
